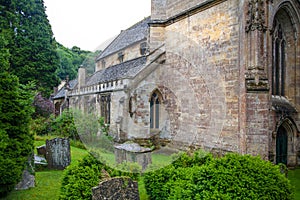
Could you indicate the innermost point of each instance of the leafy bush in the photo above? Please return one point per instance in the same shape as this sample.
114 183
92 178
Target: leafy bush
64 125
189 159
241 177
41 126
129 169
43 107
79 179
158 182
230 177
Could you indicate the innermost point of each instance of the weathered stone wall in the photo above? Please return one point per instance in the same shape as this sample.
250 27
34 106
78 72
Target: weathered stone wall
175 7
216 79
119 113
158 9
258 117
202 73
157 37
166 9
130 53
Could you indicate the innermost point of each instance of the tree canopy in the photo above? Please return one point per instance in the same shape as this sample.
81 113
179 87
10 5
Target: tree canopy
72 59
16 143
31 44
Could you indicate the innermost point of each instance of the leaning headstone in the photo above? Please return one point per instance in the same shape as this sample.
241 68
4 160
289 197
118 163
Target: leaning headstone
58 154
41 150
133 152
121 188
28 179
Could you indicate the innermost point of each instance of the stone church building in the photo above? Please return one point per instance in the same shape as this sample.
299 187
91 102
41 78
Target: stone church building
222 75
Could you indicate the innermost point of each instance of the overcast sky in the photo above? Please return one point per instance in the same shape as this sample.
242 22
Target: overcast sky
88 23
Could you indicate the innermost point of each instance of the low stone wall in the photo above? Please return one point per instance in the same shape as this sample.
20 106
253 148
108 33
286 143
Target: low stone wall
121 188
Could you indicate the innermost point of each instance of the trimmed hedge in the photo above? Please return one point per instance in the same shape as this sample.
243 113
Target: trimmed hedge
230 177
79 179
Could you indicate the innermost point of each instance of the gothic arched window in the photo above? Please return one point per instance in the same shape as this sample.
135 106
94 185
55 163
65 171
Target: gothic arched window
155 102
278 71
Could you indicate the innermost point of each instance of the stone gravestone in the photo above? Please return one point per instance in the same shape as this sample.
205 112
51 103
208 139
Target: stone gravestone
58 154
28 179
133 152
121 188
41 150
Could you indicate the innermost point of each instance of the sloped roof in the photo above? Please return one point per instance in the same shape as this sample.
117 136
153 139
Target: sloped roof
136 33
61 93
126 69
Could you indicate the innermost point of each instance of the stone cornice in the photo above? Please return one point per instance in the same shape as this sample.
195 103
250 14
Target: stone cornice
189 12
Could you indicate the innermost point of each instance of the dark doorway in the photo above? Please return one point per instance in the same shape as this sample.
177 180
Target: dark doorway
281 145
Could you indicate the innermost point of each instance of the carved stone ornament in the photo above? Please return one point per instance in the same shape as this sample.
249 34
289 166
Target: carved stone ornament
256 79
256 16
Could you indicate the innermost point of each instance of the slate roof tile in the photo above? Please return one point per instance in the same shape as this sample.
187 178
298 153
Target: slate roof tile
61 93
126 69
136 33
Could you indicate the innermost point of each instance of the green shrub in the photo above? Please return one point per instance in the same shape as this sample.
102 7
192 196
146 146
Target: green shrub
64 125
77 144
41 126
128 169
189 159
242 177
230 177
156 182
79 179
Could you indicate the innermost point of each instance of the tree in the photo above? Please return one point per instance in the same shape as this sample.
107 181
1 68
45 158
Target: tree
89 62
72 59
32 46
16 143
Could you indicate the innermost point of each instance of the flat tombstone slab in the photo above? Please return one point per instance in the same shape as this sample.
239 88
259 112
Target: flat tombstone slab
121 188
133 152
58 153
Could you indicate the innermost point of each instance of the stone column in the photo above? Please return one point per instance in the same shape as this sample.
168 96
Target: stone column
256 79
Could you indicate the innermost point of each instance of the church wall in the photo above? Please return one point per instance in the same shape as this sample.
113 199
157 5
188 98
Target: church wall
119 113
287 13
175 7
139 122
258 116
130 53
202 59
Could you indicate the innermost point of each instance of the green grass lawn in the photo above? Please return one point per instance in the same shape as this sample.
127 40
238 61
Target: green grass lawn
294 177
48 182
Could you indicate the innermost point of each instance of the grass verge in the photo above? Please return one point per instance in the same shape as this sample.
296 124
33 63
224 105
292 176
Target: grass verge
47 182
294 177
